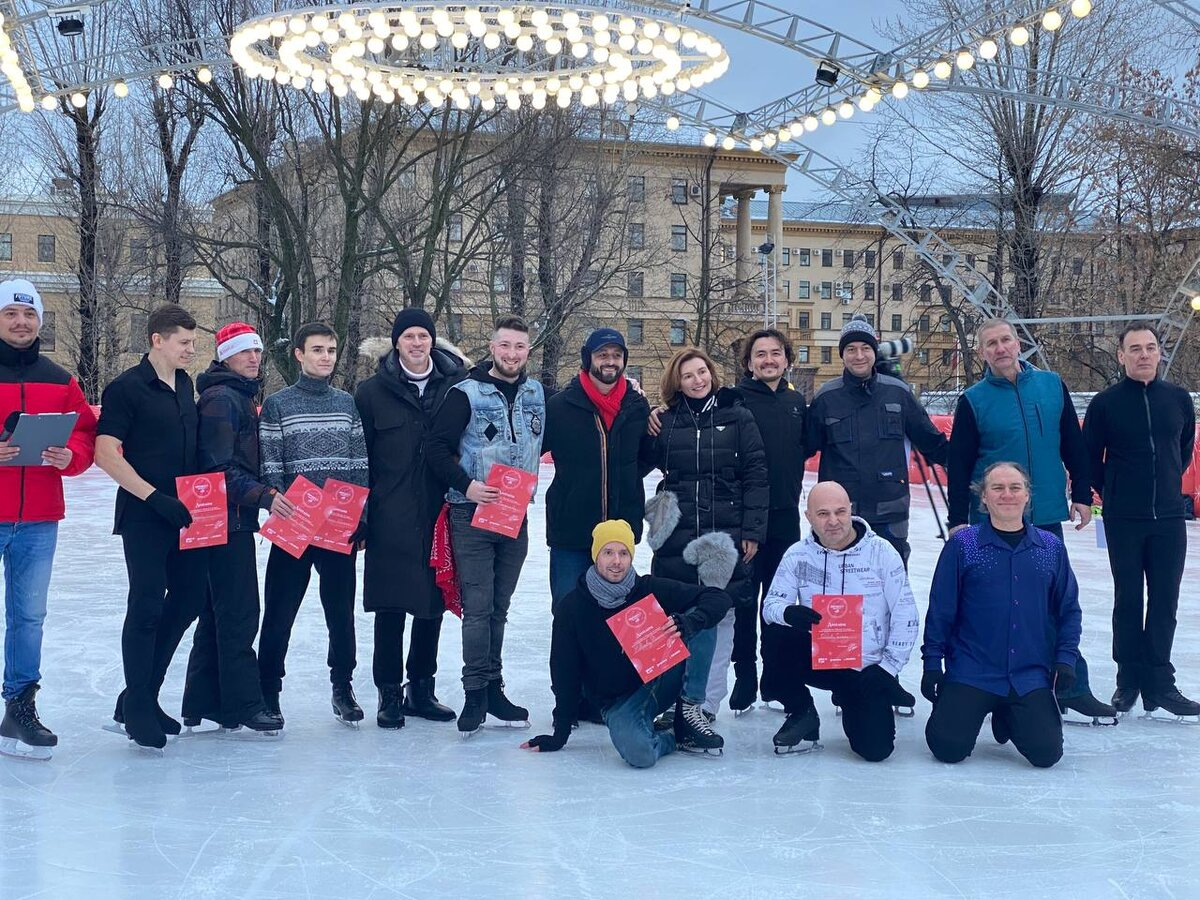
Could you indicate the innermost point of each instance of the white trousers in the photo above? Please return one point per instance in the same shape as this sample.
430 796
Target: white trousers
718 673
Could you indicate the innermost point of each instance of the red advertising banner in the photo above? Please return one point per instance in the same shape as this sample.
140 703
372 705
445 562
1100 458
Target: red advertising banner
342 508
505 515
295 533
837 638
205 498
638 629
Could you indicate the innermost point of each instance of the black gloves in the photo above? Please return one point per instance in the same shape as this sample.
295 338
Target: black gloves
1064 677
359 533
549 743
800 616
687 624
876 680
931 682
170 508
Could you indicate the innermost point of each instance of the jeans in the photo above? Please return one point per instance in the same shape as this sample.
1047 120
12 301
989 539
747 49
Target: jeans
1081 687
631 721
27 549
489 566
566 566
388 662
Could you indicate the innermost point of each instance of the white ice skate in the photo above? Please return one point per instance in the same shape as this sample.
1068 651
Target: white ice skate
18 749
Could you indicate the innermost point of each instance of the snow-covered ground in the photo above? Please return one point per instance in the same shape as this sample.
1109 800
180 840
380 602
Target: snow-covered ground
328 812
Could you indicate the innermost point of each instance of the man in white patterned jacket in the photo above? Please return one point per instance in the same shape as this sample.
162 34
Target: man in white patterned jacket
841 556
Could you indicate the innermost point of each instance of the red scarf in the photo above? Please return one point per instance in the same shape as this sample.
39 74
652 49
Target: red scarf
608 405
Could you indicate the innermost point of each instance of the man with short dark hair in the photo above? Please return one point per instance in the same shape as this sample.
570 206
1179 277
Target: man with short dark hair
31 506
495 416
146 438
312 429
1140 434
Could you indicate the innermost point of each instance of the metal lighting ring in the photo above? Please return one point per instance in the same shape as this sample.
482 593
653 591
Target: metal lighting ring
434 52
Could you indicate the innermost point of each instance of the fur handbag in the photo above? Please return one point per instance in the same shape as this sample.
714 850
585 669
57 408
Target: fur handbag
662 516
715 557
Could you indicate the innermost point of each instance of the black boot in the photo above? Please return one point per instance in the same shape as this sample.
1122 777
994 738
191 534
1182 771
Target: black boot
271 702
345 707
22 735
169 725
475 708
141 720
420 701
264 722
390 714
1123 698
745 686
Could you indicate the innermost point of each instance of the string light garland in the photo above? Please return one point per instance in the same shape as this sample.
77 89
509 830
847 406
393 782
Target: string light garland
10 65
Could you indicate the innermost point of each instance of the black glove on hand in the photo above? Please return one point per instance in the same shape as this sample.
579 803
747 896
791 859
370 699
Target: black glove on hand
1064 677
931 682
687 626
549 743
170 508
877 681
359 533
800 616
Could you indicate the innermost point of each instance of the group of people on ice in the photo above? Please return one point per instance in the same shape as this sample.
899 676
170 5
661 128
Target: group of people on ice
731 574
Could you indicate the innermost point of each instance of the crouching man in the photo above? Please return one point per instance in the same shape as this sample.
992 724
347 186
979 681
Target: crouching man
585 656
842 555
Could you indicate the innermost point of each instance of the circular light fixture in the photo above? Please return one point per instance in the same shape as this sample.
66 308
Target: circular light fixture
728 144
121 89
710 139
988 49
1019 36
900 90
756 145
1081 8
672 123
942 69
1196 303
1052 20
79 99
166 82
467 52
204 75
846 110
828 116
965 60
811 123
920 79
49 102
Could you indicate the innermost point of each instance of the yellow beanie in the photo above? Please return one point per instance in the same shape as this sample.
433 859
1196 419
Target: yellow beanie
607 532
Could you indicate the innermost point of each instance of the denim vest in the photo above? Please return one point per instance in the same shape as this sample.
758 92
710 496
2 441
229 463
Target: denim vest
518 445
1020 423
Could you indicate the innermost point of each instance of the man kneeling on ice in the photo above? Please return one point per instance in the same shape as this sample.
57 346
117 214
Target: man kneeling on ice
586 655
845 566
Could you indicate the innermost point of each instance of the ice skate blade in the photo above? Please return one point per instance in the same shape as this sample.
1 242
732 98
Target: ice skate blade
904 712
738 713
1149 715
774 706
119 729
711 752
16 749
837 711
1094 721
517 724
467 735
801 748
349 723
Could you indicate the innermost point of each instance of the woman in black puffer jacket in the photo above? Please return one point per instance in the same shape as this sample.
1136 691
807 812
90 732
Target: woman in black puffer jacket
711 455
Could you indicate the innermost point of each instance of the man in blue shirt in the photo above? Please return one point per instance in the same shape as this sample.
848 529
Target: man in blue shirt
1004 620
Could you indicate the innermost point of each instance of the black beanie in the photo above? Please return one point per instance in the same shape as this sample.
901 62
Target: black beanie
412 317
858 330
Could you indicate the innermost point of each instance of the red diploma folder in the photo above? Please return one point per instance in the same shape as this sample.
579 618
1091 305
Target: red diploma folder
295 533
837 638
505 515
204 496
637 630
342 508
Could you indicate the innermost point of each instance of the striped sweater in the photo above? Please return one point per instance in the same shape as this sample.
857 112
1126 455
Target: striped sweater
311 429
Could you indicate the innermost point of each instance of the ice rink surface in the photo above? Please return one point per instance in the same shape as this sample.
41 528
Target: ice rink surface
327 812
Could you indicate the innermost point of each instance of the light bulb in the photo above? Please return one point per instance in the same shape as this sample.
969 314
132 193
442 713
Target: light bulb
811 123
1080 8
49 102
728 144
942 69
756 145
920 79
1052 20
428 40
1019 36
768 141
121 89
846 110
988 49
965 60
900 90
710 139
828 116
165 81
672 123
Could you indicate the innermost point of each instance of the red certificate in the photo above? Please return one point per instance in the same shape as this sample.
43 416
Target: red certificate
505 515
295 533
637 630
343 508
837 638
204 496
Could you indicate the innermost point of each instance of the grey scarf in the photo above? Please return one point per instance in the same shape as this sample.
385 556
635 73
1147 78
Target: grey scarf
607 594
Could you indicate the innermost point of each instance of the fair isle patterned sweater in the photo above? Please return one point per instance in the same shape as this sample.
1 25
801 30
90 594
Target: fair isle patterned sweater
311 429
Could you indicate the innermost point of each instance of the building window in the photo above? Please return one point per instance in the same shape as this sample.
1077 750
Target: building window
678 237
848 259
827 258
826 355
869 259
637 235
991 262
802 320
138 340
923 325
897 260
456 223
679 188
678 333
944 323
787 256
499 282
803 290
137 251
826 321
635 330
845 291
948 260
6 246
970 260
923 357
637 189
635 284
868 291
46 333
846 317
455 321
45 248
801 354
947 358
926 293
803 257
787 289
456 283
944 293
897 322
634 372
678 285
826 290
1077 265
897 292
870 319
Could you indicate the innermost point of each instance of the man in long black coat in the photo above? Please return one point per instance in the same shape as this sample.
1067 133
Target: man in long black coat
397 405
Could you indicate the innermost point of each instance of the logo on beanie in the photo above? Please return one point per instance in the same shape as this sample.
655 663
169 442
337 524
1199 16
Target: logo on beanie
18 297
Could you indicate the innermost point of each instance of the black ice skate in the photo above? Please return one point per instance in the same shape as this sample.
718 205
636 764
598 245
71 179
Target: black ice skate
391 707
475 708
1094 711
693 733
1123 699
1170 700
169 724
503 711
904 704
271 702
745 688
800 733
22 735
420 701
345 707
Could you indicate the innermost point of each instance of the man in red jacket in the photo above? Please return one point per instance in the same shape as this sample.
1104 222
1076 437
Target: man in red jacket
31 504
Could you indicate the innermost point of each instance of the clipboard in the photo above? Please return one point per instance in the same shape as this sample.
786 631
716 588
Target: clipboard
36 432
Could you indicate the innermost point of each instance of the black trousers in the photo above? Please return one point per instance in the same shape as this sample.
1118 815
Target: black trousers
1033 721
867 717
896 534
166 593
222 677
1146 558
783 530
287 580
388 662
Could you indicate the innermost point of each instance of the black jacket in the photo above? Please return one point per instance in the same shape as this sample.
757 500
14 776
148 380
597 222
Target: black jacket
1140 440
861 428
584 652
227 441
780 416
596 474
405 496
